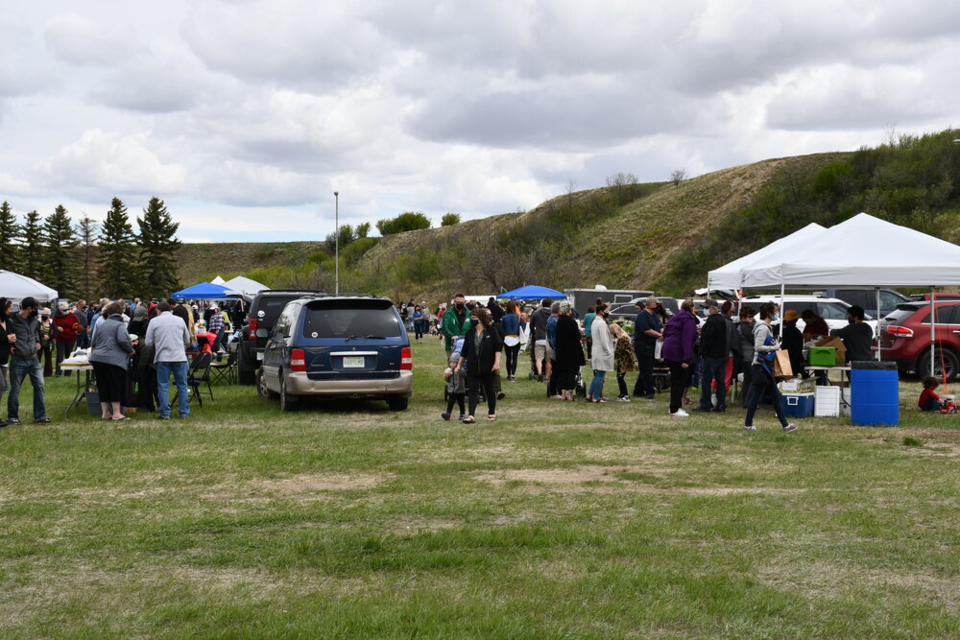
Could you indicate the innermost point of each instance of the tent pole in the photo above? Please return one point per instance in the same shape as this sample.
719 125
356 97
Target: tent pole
780 328
879 346
933 328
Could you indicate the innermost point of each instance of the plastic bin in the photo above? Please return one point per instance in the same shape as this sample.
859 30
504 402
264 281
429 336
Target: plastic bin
798 405
827 402
822 356
874 393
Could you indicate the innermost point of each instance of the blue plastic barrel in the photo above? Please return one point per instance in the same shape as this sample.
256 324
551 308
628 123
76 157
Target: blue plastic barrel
874 393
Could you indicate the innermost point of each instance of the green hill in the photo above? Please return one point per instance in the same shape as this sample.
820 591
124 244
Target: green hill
661 236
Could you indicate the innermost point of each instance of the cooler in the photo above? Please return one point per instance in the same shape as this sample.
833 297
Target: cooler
874 393
798 405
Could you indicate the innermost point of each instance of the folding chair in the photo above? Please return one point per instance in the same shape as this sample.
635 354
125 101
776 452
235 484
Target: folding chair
198 374
223 367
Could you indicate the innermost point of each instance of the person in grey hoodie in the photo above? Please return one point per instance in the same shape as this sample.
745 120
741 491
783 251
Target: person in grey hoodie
110 355
764 346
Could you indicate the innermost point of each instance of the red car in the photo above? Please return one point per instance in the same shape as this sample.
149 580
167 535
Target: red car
905 338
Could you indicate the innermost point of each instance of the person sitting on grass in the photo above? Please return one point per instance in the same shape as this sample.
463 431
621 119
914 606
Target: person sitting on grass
929 400
456 378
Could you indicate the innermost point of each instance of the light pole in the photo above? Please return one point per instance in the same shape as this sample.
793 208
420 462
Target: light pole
336 259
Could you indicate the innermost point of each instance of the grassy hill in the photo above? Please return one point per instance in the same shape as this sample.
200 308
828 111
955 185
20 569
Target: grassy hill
660 236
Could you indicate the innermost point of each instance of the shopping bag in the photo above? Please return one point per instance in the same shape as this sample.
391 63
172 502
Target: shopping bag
781 364
657 349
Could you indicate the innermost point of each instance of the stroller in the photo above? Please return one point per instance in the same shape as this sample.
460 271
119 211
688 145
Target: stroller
455 347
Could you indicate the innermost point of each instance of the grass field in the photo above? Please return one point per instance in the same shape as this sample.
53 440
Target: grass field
558 520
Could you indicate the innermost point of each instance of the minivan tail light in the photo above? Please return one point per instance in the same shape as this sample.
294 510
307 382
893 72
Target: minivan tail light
298 360
252 333
898 331
406 359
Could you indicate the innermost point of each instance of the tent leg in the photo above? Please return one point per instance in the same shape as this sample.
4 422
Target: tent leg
933 329
879 346
782 311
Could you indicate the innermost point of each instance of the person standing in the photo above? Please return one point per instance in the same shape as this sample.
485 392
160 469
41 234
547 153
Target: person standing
110 355
625 359
647 330
83 340
169 337
455 323
568 352
510 323
713 350
745 337
214 326
419 320
538 331
679 338
857 336
24 361
792 341
602 360
481 351
764 346
48 345
67 327
587 325
7 339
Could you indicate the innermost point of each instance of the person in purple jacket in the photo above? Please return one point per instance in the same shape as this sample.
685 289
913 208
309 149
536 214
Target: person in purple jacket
679 338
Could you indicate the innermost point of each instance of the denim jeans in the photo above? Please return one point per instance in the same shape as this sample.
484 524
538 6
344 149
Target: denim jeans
20 369
596 385
763 380
714 369
179 370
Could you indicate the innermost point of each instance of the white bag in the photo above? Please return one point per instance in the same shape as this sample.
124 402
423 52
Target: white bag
657 349
511 341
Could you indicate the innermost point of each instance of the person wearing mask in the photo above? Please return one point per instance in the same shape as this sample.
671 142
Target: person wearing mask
496 311
569 352
7 339
745 337
455 323
110 357
169 337
603 350
764 346
814 325
713 350
857 336
647 329
482 348
48 345
510 323
679 338
792 341
67 327
24 361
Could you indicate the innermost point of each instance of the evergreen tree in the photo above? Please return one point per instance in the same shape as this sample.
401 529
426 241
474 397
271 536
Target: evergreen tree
9 234
32 248
87 230
117 259
158 250
60 243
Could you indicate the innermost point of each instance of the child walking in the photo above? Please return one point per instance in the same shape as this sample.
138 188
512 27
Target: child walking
456 378
929 400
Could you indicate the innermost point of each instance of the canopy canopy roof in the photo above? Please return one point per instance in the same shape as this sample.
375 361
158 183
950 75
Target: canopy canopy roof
17 287
204 291
240 284
862 252
729 275
532 292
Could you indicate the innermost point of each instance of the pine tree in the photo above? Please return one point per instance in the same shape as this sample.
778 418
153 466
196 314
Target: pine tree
9 234
33 248
87 230
60 243
158 250
117 258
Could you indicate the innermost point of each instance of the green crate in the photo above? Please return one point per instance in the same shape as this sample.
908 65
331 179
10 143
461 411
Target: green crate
822 356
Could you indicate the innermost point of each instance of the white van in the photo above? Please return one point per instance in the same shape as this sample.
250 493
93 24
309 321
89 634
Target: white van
832 310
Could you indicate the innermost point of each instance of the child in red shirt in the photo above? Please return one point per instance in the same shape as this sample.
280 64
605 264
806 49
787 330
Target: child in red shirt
929 400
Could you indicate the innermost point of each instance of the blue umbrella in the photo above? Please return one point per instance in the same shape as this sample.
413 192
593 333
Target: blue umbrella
532 292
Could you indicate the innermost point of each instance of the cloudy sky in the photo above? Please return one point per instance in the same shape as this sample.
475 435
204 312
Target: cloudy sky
246 115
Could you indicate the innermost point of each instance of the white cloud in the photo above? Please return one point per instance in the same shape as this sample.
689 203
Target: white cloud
82 41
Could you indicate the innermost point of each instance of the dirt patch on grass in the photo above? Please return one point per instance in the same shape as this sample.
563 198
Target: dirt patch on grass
306 483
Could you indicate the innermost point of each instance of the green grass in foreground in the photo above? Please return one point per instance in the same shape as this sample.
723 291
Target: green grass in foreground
559 520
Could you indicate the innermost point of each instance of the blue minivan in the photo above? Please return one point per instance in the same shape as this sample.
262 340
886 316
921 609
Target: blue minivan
337 347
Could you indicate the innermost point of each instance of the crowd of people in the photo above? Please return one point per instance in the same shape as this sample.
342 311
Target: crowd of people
134 348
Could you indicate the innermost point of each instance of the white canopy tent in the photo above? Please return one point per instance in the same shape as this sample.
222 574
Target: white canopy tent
729 275
217 280
17 287
865 252
244 286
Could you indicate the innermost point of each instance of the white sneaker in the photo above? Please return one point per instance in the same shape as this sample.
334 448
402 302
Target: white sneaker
680 414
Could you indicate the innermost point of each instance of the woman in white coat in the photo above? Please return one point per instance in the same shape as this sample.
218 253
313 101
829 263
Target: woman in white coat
602 356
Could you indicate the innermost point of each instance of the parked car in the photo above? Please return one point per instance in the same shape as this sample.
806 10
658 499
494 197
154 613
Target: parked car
264 310
867 298
832 310
905 338
629 311
337 347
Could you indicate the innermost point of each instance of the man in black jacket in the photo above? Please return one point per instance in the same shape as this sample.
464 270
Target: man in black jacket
538 326
713 349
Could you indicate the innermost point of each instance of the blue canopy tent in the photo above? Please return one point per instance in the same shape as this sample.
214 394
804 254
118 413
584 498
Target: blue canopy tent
204 291
532 292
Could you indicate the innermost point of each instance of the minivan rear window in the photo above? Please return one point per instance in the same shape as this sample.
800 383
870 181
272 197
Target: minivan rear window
350 319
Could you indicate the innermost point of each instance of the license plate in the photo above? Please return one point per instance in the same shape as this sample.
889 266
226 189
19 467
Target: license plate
259 355
353 362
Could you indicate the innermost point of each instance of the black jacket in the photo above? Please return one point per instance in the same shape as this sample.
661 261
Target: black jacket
713 337
792 341
538 322
490 344
569 351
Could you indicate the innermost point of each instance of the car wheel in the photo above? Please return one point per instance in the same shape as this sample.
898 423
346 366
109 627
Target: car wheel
245 376
287 402
948 361
398 403
262 389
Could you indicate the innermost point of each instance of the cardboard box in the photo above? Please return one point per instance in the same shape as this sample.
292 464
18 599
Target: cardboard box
836 343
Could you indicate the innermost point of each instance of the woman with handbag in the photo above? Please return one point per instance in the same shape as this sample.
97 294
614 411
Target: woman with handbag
765 347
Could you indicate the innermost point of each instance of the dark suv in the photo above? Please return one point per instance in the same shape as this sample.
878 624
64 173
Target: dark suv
905 338
263 313
346 347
